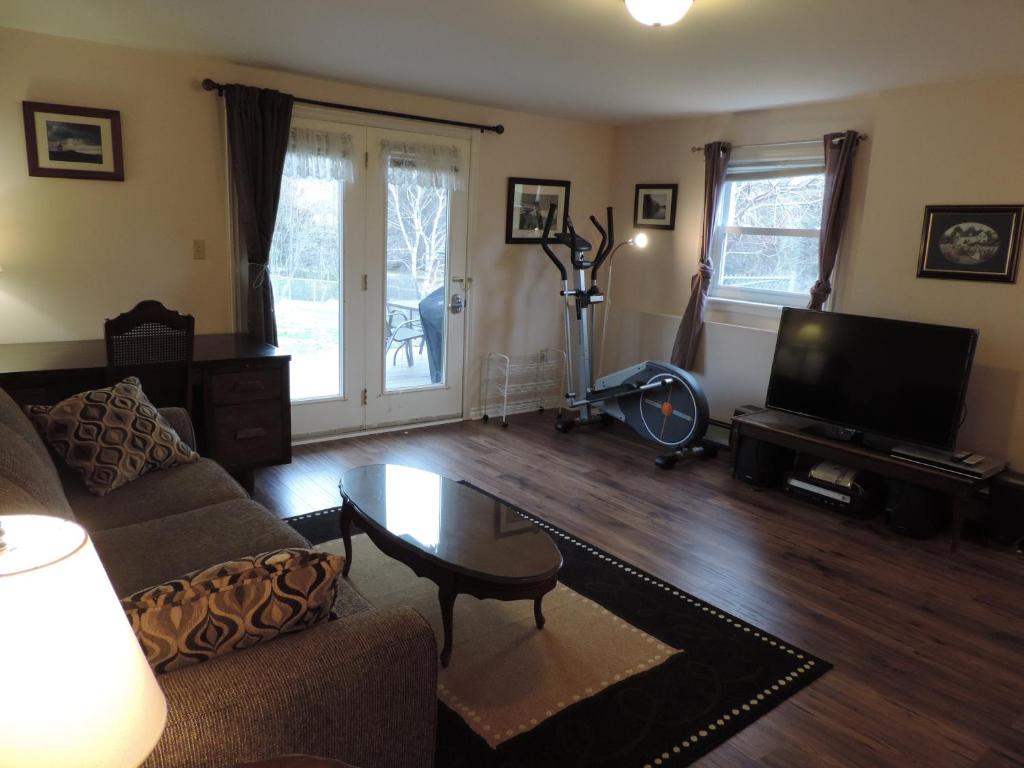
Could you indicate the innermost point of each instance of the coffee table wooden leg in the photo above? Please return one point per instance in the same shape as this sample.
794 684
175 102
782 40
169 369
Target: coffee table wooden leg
346 535
446 595
537 615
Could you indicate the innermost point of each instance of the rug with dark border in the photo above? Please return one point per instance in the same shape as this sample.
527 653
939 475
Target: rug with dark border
731 674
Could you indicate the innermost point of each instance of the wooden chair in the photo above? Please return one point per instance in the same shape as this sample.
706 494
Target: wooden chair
155 344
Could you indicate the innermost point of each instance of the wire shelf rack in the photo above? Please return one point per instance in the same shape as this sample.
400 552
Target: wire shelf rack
516 383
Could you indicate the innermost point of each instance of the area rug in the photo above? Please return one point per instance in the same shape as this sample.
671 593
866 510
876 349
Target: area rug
720 673
506 676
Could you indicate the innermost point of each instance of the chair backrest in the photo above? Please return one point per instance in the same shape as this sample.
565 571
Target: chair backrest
154 343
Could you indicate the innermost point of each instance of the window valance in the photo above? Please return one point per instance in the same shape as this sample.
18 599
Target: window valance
424 165
315 153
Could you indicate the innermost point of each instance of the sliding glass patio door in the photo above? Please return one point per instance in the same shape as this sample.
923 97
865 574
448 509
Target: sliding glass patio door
367 267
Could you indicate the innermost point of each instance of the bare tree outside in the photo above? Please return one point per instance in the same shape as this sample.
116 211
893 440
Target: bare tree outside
773 261
306 270
417 260
305 267
417 240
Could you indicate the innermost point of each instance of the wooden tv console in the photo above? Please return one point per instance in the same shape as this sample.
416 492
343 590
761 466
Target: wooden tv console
790 431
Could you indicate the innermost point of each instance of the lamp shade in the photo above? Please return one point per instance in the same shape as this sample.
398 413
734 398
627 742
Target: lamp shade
658 13
75 688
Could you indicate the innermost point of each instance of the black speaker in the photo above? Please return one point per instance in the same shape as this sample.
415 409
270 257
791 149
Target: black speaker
762 464
1004 518
916 512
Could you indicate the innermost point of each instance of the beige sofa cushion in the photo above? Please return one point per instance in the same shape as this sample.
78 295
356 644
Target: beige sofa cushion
154 495
155 551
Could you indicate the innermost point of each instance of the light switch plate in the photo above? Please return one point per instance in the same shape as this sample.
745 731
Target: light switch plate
199 250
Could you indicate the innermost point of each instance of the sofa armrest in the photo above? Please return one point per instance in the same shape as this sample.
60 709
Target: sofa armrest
181 422
362 689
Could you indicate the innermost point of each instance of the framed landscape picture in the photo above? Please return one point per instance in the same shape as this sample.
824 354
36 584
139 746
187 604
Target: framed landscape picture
971 242
654 206
528 204
73 142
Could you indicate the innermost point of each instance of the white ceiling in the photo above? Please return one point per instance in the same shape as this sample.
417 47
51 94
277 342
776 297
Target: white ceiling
580 58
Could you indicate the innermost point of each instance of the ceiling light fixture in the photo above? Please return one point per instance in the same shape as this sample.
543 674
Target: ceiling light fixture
658 13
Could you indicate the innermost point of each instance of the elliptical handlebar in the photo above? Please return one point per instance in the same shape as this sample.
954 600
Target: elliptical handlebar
545 239
604 241
607 244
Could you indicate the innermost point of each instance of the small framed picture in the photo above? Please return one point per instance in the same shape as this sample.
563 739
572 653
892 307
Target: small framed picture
971 242
528 204
73 142
654 206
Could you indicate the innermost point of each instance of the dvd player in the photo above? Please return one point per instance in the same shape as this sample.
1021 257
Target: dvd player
841 488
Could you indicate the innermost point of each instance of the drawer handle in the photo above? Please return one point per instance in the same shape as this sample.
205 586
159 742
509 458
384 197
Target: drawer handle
251 433
249 386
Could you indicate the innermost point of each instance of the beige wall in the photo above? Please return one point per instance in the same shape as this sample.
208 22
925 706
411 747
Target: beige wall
75 252
955 143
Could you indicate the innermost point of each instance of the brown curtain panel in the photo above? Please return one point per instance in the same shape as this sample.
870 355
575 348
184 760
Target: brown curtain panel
716 159
840 149
259 122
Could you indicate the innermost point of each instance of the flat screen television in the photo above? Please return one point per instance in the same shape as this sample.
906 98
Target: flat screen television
890 378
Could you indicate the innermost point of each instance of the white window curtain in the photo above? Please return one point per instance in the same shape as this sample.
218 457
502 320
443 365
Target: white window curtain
424 165
315 153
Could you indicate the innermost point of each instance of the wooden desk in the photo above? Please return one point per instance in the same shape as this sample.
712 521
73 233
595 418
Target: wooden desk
241 405
789 431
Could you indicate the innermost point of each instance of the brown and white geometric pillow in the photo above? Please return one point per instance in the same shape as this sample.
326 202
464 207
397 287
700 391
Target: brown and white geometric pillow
111 436
232 606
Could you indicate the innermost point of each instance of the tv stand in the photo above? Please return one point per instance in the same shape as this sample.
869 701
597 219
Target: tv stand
834 432
805 436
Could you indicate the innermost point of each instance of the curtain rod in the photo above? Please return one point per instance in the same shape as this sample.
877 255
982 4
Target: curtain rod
210 85
861 136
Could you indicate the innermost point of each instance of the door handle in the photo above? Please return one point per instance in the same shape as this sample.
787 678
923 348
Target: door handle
457 304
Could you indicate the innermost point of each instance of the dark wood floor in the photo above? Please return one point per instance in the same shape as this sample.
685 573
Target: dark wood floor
928 646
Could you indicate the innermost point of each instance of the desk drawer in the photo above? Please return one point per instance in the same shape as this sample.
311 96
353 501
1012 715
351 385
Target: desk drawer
248 434
246 386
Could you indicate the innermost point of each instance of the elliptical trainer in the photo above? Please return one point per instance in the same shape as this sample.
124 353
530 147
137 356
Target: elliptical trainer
659 401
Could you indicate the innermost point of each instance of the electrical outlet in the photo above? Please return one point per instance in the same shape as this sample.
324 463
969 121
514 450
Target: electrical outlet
199 250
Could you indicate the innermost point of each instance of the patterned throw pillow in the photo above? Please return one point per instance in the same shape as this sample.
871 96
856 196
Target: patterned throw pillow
232 606
111 436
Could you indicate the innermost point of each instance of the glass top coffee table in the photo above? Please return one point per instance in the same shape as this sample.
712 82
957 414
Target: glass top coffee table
463 540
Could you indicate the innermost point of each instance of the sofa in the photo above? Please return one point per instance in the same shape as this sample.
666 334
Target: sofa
361 688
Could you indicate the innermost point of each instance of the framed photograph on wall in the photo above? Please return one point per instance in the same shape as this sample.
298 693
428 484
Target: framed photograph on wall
971 242
528 204
73 142
654 206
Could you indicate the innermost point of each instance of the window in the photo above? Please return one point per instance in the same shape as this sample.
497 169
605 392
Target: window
420 179
306 259
765 246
